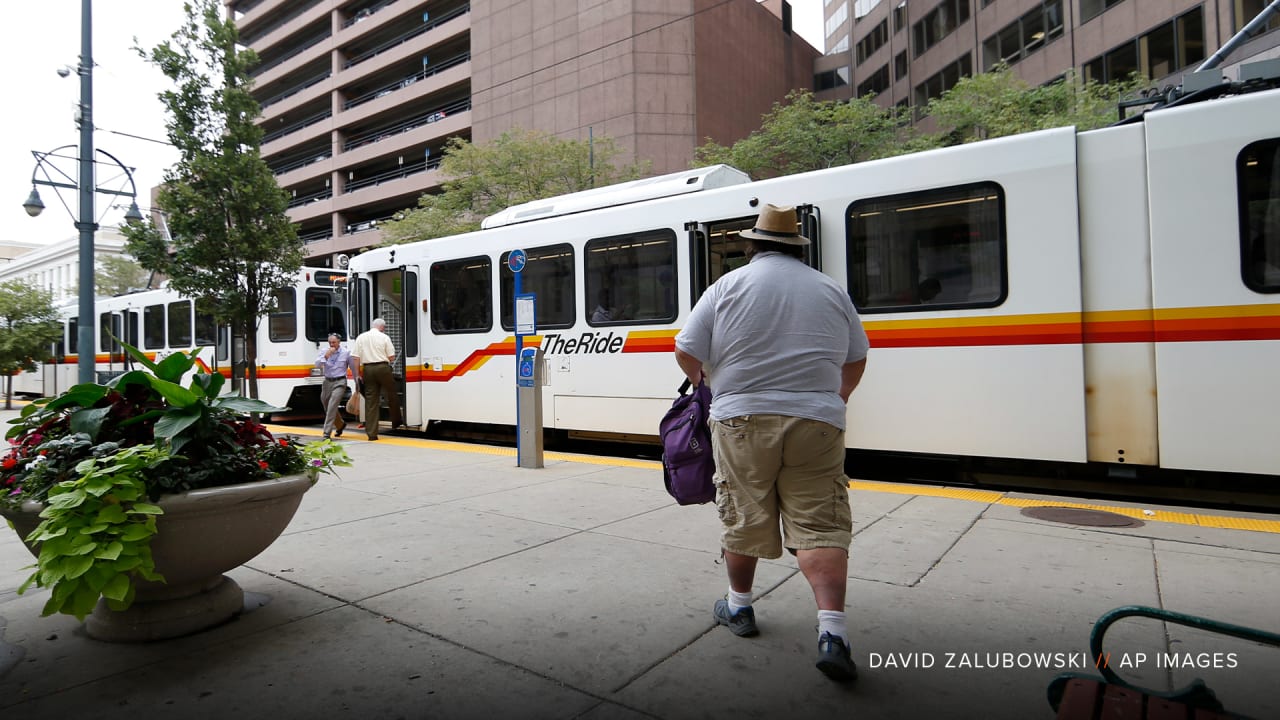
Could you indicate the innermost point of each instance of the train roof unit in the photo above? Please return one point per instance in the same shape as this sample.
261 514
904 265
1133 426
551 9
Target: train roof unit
687 181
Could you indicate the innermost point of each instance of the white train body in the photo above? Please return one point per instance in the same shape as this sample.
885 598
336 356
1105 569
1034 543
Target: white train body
160 322
1060 296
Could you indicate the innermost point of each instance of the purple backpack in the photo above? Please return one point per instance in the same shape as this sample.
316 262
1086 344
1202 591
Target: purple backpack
688 468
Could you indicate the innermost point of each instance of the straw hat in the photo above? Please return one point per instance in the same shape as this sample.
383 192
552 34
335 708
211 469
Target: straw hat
776 224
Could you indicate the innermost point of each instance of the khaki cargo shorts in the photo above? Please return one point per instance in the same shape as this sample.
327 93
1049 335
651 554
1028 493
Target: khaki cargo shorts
773 466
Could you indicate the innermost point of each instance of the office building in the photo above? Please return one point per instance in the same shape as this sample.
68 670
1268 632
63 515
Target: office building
359 96
907 53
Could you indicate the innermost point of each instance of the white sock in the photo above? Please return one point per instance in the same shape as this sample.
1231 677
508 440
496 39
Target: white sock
738 600
832 621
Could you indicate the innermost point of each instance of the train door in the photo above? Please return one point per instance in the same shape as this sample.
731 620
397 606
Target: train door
1214 177
715 247
393 296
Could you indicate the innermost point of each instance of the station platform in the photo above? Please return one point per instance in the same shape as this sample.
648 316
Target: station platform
439 580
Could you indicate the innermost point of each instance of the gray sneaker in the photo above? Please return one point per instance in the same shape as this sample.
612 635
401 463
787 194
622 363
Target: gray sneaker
834 659
741 623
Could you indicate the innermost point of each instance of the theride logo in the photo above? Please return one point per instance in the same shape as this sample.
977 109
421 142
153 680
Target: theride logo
585 344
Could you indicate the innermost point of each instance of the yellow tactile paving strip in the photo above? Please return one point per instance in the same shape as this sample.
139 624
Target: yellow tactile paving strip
990 497
997 498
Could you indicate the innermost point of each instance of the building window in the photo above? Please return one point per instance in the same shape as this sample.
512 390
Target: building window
1258 185
830 79
872 42
1090 9
942 248
900 17
837 19
1157 53
631 279
842 45
462 295
939 23
900 65
1039 26
862 7
942 81
876 84
548 273
1246 10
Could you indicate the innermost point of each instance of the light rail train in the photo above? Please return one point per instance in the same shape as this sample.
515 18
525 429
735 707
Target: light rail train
160 322
1106 300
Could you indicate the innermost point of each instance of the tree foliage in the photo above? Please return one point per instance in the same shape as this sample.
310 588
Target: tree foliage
999 103
233 245
29 324
803 134
517 167
118 274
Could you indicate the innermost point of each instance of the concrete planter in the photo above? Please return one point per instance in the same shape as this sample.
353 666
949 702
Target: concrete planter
201 535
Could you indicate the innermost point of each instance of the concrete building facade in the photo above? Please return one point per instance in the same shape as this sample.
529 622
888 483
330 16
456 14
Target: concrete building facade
360 96
910 51
56 267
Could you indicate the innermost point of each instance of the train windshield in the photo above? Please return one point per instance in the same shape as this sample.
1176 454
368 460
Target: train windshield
326 310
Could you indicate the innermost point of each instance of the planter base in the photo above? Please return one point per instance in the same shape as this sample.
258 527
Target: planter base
169 618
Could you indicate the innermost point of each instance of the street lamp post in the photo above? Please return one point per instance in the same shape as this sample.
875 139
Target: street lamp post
86 185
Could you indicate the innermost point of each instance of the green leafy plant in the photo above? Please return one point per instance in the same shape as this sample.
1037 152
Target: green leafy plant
96 534
98 455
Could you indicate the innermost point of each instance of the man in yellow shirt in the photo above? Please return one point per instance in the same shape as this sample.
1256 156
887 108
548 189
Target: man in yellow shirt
374 354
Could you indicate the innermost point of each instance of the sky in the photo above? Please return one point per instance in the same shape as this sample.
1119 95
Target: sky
45 36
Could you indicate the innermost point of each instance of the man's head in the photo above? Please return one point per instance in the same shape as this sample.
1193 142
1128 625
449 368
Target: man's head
776 224
775 231
334 339
379 324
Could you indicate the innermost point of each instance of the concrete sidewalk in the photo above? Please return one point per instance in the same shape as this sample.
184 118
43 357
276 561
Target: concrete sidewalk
433 580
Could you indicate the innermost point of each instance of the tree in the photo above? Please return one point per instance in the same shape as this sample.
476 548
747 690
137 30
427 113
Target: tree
29 324
803 134
999 103
233 244
117 274
517 167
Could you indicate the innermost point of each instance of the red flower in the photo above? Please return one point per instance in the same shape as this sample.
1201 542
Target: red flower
262 464
9 462
284 442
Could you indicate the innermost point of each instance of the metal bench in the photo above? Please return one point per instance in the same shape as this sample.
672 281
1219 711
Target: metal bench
1075 696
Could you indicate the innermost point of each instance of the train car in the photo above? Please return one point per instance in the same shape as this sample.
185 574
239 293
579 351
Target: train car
160 322
1105 298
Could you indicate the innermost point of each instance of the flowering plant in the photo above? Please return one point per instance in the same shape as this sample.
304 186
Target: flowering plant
98 455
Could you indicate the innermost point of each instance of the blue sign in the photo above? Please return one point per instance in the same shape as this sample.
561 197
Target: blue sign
524 367
516 260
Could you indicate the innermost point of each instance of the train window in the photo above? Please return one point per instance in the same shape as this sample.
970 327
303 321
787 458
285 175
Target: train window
153 327
180 324
410 314
109 332
206 330
1258 183
325 308
73 335
462 295
630 279
928 250
549 275
131 327
282 323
